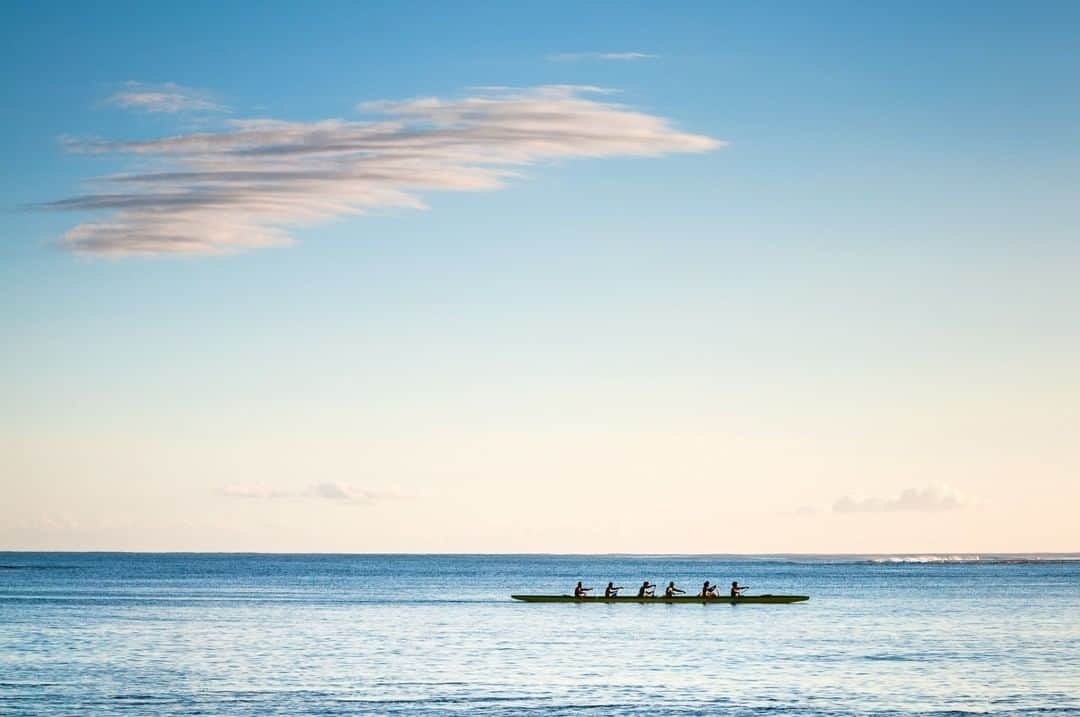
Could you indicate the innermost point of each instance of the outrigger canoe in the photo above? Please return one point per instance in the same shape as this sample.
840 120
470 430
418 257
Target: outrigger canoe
748 599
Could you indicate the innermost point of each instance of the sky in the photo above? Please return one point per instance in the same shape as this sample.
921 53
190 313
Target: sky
540 277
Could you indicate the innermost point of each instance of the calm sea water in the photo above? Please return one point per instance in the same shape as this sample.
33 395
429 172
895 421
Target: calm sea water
187 634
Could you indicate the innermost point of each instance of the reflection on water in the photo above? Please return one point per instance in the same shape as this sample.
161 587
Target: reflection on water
108 634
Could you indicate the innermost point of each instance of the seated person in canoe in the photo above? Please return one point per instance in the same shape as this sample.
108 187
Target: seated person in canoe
736 589
579 591
646 590
671 590
708 590
612 590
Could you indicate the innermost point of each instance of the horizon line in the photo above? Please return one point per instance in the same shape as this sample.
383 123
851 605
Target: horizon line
914 553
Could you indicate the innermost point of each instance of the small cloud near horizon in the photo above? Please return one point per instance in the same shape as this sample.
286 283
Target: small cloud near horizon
167 98
327 490
606 56
931 499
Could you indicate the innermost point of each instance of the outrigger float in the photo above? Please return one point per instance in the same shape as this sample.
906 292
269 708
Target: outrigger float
720 600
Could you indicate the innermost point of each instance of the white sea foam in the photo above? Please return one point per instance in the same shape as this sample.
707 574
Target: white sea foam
1004 559
927 559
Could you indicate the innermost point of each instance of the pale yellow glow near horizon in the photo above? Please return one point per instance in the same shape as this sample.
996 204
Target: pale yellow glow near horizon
749 486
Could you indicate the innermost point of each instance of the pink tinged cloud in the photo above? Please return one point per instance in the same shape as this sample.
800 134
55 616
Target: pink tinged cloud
223 192
169 98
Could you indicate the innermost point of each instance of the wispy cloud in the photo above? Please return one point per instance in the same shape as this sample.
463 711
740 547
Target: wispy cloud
220 192
929 499
168 98
606 56
329 490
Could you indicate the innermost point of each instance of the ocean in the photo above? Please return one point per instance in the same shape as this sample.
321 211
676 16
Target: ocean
254 634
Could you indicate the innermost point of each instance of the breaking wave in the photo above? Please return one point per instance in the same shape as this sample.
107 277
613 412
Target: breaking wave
970 559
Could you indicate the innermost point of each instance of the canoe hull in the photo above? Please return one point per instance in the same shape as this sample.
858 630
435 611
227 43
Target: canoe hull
745 599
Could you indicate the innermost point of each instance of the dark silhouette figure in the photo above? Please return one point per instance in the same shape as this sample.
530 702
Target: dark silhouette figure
671 590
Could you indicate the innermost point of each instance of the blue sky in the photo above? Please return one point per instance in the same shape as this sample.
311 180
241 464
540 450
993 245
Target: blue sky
839 270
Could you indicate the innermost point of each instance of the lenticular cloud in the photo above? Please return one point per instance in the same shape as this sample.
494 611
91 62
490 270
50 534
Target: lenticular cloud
221 192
